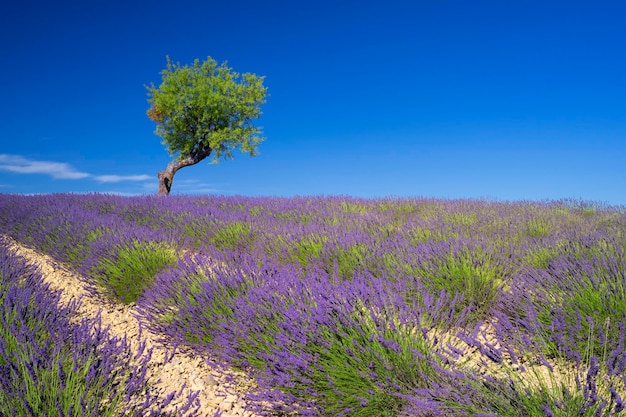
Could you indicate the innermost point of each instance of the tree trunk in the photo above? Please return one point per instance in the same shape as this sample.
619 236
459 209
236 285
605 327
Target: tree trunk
167 177
165 181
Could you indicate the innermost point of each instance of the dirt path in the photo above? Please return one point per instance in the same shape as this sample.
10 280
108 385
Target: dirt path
215 393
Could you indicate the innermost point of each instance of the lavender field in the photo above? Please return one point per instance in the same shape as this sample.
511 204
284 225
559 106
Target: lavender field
337 306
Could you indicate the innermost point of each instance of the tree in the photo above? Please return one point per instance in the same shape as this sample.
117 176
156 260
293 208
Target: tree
202 110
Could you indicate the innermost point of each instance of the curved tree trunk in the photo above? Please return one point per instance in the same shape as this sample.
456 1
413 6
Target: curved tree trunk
167 177
165 181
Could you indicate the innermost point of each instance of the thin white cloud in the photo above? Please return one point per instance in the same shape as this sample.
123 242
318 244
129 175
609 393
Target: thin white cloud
59 170
120 178
197 191
194 186
122 193
21 165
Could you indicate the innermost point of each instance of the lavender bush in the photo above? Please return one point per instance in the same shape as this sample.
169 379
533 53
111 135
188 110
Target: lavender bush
314 345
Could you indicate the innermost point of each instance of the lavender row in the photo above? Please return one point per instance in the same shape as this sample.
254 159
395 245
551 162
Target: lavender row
51 366
323 347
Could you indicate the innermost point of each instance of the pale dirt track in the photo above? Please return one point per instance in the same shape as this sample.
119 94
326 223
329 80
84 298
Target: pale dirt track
164 376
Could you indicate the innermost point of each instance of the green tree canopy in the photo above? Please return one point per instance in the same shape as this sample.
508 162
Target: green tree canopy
205 109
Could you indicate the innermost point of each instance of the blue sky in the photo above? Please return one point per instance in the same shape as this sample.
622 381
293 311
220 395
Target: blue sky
449 99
